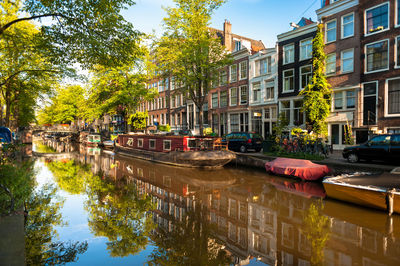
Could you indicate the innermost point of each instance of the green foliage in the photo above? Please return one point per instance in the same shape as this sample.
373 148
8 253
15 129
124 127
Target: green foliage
208 131
348 134
317 230
189 51
138 120
164 128
280 126
296 131
317 94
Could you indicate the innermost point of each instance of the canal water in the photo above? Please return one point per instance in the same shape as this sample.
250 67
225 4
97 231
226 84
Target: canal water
114 210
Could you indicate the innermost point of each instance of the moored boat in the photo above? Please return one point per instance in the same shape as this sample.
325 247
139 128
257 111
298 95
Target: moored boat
186 151
93 139
303 169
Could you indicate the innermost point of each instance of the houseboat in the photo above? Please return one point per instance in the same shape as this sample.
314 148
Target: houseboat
185 151
93 140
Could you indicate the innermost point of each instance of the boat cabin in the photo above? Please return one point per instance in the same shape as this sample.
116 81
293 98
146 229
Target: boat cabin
94 139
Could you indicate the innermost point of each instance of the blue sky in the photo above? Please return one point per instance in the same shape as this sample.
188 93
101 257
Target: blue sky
256 19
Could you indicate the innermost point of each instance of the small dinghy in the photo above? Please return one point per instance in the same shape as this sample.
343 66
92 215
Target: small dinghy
303 169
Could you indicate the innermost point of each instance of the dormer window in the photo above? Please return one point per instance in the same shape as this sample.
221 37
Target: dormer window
238 45
377 18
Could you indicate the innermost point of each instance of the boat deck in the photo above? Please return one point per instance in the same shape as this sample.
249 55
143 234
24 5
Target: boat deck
384 180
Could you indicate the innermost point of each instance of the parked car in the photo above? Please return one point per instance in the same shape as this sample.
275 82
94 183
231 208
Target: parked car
382 147
243 141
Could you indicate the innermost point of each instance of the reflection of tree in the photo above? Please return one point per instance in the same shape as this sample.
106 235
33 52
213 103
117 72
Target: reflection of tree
69 175
189 243
118 212
43 214
317 230
41 148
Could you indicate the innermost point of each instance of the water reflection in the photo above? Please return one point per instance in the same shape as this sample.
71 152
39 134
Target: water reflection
221 217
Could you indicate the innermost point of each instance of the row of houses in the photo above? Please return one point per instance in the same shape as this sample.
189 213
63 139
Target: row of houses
362 66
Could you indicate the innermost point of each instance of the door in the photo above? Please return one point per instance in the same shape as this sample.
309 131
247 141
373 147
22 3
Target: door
395 147
369 107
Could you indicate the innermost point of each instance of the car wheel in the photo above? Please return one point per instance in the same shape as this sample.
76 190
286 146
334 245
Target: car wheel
353 158
243 149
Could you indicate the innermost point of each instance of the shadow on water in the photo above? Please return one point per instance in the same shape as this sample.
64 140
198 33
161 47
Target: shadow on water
231 216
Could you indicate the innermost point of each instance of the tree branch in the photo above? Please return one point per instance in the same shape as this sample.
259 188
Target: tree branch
9 24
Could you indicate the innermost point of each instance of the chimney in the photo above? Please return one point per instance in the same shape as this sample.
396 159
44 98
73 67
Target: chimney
228 35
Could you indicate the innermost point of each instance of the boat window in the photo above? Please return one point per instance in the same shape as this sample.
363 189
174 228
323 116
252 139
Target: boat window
192 143
396 140
167 145
140 143
152 144
380 140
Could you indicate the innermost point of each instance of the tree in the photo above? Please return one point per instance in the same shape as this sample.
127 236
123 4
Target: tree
189 51
138 120
317 94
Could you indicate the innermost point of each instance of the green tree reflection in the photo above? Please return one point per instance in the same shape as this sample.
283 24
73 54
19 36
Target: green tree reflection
190 242
118 212
40 247
69 175
317 230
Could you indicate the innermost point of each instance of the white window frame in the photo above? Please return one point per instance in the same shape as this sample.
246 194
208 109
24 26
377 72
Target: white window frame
326 31
140 143
283 80
230 96
230 73
155 144
342 99
284 57
365 19
167 141
345 99
341 61
301 54
366 57
212 98
240 95
301 75
240 70
396 63
396 13
386 98
252 92
331 73
267 86
342 25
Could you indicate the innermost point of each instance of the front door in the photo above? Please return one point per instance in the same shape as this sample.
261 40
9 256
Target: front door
369 107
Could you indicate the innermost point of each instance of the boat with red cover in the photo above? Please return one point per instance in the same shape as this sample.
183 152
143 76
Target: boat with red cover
185 151
303 169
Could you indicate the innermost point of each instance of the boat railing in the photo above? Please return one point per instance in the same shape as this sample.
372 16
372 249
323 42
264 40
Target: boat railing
208 144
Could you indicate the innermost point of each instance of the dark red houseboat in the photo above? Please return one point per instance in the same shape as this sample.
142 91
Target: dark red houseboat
187 151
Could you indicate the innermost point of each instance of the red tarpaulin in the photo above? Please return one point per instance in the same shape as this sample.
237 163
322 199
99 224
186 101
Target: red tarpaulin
303 169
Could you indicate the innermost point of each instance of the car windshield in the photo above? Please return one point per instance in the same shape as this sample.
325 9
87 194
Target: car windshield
380 140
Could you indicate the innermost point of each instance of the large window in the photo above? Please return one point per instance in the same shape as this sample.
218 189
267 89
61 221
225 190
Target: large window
305 76
298 113
377 56
214 100
347 61
233 73
223 77
263 66
338 100
288 53
393 96
288 80
331 64
377 18
243 70
397 59
233 97
269 91
305 49
234 122
243 94
330 31
285 108
223 98
256 92
348 26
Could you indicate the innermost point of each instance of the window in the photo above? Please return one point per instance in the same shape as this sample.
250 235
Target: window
140 143
394 96
397 51
243 70
305 76
214 100
238 45
298 113
398 12
377 56
223 98
338 100
234 122
223 77
348 26
256 92
379 140
288 53
233 97
305 49
166 145
233 73
330 31
173 102
347 61
269 92
152 143
285 108
288 80
243 95
263 66
377 18
350 99
331 64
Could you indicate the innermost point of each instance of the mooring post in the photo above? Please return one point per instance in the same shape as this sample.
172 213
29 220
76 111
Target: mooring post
389 200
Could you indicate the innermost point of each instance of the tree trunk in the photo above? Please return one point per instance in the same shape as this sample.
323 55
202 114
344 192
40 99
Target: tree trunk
8 107
201 121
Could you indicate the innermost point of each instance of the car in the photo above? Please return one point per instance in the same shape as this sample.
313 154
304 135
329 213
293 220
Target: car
243 141
384 147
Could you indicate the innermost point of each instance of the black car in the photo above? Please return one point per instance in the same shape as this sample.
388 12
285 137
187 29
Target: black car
242 141
382 147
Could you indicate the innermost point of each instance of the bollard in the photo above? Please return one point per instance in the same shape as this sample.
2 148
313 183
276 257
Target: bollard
389 200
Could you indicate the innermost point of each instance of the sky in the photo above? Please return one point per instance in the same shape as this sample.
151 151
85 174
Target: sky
256 19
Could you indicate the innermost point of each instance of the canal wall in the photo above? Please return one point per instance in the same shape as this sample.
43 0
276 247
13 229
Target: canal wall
12 240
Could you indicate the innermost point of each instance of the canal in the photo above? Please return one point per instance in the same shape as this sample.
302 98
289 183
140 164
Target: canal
113 210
